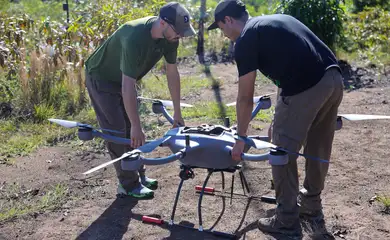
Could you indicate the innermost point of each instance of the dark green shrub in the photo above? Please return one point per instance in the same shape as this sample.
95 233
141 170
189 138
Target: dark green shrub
359 5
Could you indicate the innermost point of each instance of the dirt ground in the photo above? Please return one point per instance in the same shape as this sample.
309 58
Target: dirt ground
359 171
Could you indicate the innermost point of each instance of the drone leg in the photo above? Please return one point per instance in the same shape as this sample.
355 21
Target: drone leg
231 190
200 200
244 179
176 200
223 181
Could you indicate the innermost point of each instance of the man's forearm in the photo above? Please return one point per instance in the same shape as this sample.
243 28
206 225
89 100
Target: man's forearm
244 109
129 94
174 87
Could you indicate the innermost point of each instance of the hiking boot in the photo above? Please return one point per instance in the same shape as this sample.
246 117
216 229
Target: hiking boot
141 192
314 212
149 182
274 225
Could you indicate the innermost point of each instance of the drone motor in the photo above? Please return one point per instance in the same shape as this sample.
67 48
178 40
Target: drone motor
85 134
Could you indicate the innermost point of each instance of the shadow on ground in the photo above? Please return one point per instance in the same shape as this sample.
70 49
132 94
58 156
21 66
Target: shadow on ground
115 220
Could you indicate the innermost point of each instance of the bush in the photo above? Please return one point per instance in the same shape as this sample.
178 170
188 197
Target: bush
368 34
324 18
359 5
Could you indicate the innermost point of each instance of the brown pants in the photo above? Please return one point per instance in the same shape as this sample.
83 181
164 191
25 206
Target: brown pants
110 112
307 119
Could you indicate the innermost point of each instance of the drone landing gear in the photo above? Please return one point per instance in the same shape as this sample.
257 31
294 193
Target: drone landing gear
187 173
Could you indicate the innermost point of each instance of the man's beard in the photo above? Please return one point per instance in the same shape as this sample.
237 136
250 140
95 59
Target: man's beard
169 39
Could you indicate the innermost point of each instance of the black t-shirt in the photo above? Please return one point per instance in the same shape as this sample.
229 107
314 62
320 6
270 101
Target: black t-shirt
284 50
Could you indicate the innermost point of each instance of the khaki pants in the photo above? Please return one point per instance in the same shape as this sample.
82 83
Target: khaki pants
307 119
110 112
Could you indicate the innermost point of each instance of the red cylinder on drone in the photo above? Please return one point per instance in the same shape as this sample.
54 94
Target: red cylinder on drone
206 189
148 219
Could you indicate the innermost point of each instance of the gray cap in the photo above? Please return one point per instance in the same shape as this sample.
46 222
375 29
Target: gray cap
231 8
176 14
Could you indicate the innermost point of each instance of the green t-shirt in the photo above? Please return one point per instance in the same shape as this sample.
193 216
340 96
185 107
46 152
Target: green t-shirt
131 50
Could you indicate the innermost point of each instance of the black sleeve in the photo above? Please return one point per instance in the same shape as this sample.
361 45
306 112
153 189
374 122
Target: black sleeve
246 54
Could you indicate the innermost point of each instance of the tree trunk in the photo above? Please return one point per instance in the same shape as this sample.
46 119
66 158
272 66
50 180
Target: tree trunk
200 47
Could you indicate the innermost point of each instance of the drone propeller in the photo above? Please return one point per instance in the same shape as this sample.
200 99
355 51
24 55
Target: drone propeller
143 149
255 99
259 144
166 103
73 124
358 117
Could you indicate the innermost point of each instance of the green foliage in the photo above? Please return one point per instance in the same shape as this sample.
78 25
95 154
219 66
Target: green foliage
324 18
36 9
155 86
360 5
211 112
368 34
44 112
42 60
385 200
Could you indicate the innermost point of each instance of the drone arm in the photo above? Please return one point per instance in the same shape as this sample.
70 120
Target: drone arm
256 110
111 138
167 115
164 160
251 157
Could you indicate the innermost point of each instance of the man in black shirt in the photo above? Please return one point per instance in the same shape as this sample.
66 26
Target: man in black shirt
310 84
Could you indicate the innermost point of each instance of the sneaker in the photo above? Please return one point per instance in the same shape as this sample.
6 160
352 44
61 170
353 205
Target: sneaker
141 192
149 182
273 225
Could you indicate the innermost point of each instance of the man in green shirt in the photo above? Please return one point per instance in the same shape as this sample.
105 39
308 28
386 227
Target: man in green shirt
112 72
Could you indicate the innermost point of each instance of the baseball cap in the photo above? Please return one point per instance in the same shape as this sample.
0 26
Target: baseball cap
231 8
177 15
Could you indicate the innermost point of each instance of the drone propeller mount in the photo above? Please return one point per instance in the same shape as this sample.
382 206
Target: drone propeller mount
166 103
259 144
357 117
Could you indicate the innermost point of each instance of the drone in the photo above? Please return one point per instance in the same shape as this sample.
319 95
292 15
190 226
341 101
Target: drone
205 146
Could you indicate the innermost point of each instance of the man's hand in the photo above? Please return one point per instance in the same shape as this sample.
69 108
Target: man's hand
177 120
137 137
237 150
